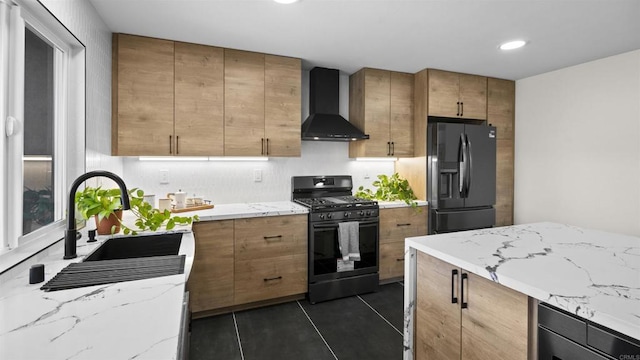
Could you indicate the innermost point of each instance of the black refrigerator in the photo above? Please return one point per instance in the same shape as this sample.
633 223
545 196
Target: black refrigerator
461 186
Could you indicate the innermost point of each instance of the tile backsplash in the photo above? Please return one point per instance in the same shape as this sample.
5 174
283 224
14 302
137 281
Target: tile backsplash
233 182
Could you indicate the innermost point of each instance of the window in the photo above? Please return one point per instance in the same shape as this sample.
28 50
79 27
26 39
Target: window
42 111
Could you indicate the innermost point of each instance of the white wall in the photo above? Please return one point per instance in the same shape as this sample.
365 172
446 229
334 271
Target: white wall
232 182
80 17
577 145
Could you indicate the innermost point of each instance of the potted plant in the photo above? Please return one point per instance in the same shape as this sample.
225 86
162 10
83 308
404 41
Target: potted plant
106 206
390 188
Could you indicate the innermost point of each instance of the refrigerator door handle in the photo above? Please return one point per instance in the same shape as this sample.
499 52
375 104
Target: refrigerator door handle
462 164
469 165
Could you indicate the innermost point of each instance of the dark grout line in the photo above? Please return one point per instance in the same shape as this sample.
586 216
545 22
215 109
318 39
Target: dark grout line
318 331
235 324
383 318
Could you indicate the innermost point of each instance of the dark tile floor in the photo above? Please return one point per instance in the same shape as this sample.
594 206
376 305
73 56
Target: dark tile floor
368 326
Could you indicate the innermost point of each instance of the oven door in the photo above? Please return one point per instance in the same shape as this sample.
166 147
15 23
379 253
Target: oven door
325 259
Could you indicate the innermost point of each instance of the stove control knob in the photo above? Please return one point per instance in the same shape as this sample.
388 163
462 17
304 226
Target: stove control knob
329 216
361 213
368 212
346 214
321 216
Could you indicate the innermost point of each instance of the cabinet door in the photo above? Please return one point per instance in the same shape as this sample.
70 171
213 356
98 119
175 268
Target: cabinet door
501 113
399 223
142 113
473 95
443 93
199 100
212 276
270 236
495 324
270 278
243 103
377 111
437 318
391 260
401 114
282 105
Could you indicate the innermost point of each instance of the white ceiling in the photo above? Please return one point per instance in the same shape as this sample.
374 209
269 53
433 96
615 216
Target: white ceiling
401 35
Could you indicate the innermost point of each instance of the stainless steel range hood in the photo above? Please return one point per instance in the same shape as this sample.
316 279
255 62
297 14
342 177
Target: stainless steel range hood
324 122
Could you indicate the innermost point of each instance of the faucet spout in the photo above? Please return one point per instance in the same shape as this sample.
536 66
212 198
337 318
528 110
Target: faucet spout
71 232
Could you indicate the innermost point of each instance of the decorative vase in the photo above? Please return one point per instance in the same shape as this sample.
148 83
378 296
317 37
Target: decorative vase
104 227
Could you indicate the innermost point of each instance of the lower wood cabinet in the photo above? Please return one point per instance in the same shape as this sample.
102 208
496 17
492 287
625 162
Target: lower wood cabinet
460 315
241 261
269 278
211 281
396 224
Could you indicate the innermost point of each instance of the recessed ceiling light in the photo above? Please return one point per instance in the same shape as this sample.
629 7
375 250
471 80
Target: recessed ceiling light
285 1
512 45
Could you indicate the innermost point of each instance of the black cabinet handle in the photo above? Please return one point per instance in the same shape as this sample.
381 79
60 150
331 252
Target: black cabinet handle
393 148
262 147
458 103
407 224
388 148
278 237
177 144
454 298
461 108
464 304
267 146
170 144
273 278
401 259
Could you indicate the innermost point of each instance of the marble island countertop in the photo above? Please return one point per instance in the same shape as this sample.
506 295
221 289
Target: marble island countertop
593 274
126 320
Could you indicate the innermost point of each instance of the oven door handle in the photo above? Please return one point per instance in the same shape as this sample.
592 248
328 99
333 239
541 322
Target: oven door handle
336 225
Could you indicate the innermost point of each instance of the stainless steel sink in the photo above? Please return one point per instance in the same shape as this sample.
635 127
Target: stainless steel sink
139 246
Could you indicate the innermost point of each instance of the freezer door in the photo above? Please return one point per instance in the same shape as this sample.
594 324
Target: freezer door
444 221
444 150
480 175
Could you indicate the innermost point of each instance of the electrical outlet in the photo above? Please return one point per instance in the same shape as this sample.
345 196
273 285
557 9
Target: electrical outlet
164 176
257 175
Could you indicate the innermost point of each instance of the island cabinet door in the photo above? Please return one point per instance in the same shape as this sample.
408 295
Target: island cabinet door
494 322
437 310
460 315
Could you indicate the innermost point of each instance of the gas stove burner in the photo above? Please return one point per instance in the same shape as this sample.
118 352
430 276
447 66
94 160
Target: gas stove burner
337 202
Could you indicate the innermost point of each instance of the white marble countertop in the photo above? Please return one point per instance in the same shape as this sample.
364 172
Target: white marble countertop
248 210
398 204
593 274
126 320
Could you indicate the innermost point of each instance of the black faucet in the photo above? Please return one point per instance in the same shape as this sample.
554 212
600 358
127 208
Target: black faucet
71 232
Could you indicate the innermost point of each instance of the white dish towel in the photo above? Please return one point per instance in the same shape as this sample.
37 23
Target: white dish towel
349 240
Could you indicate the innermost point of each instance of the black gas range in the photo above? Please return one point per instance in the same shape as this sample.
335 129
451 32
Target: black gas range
331 203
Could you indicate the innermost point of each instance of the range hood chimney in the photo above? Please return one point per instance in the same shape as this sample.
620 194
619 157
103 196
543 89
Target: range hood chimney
324 122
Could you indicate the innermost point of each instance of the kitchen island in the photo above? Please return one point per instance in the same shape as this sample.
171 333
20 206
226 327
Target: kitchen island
592 274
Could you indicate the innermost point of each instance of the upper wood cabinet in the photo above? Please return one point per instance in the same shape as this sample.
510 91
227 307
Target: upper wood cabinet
460 315
381 104
262 104
457 95
501 114
142 96
173 98
282 112
243 103
199 96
